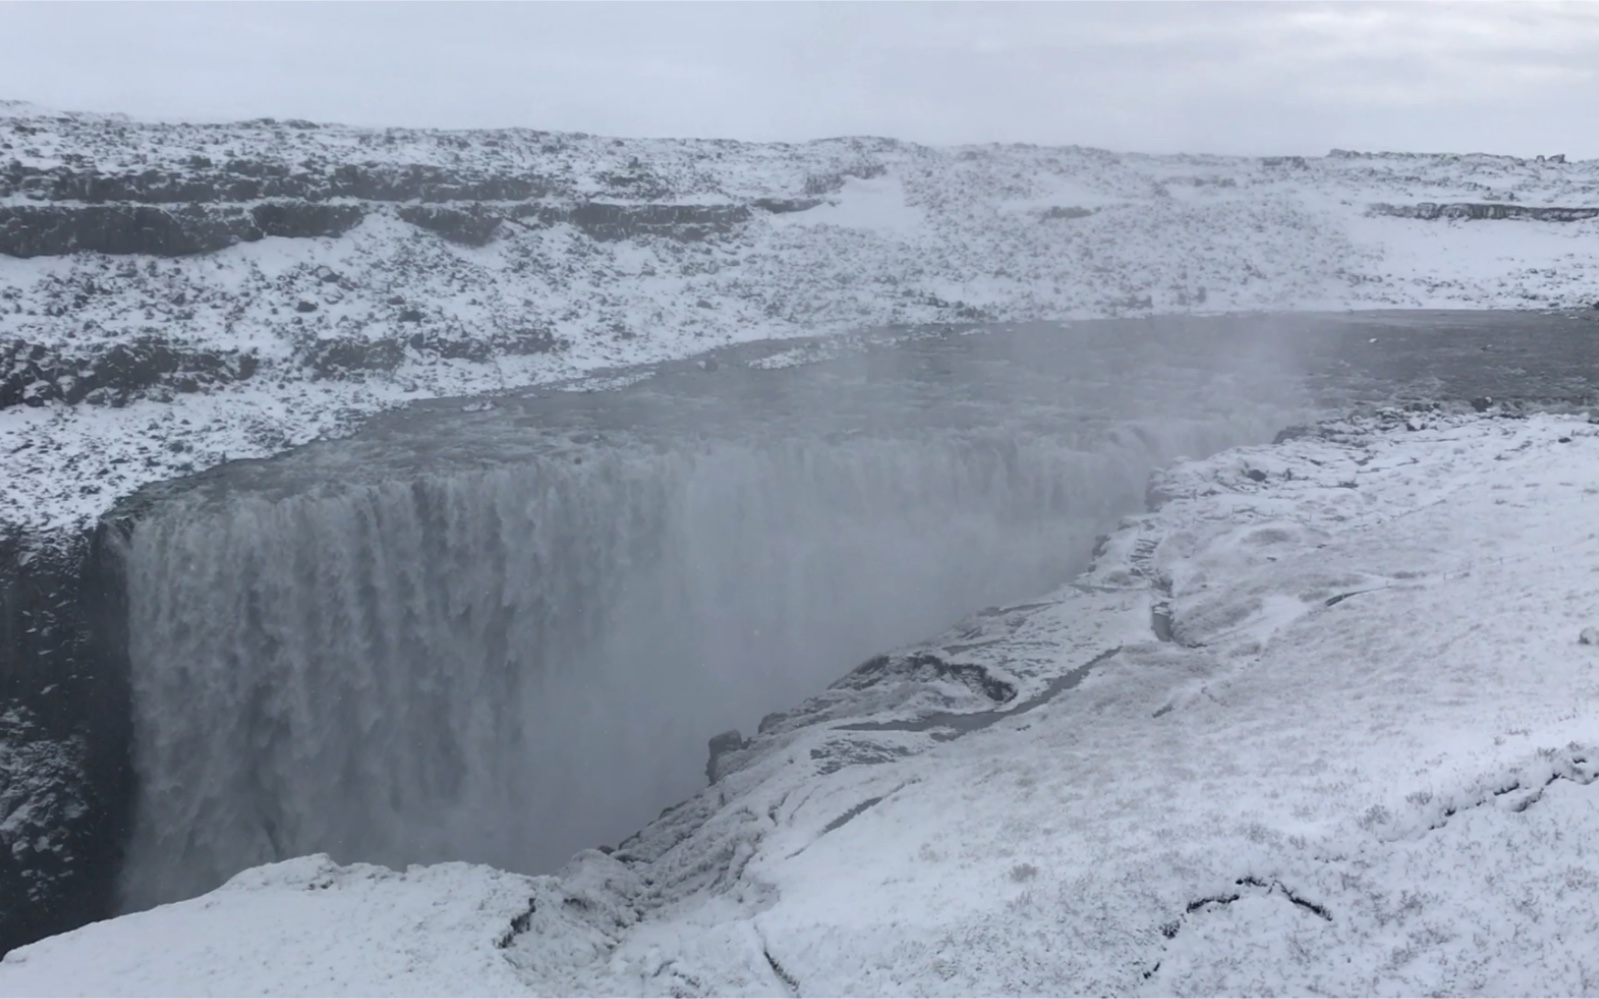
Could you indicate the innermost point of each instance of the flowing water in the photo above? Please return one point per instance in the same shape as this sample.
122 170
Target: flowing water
505 634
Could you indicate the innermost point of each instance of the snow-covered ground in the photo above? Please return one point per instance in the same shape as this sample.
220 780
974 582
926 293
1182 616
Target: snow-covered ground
894 233
1326 721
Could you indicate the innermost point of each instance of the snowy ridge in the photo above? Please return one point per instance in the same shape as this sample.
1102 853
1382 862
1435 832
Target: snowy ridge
444 263
1323 721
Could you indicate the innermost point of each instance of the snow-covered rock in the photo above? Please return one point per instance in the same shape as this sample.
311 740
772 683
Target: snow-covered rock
1316 724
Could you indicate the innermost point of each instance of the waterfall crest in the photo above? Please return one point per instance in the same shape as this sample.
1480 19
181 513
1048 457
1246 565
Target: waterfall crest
508 663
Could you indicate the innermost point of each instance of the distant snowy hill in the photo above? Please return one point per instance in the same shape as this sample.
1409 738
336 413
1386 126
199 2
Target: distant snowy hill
1324 722
174 294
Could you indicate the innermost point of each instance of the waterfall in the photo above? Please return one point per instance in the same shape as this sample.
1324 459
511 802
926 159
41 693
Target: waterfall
510 663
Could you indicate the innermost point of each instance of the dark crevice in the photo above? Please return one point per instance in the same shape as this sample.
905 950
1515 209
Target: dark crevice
858 809
782 973
1200 903
1297 900
845 818
1339 598
1160 622
1171 928
1575 772
520 924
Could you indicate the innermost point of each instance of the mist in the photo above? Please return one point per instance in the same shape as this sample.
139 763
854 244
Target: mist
444 656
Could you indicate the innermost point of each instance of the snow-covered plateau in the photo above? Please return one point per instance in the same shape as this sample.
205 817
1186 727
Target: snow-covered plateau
1323 721
172 295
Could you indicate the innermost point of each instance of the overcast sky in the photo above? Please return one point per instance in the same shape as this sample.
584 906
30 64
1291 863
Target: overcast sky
1234 78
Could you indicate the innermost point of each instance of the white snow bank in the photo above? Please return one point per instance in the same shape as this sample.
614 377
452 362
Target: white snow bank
311 927
1362 765
876 204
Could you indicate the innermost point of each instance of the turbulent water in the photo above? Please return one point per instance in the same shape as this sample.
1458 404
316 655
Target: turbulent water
504 636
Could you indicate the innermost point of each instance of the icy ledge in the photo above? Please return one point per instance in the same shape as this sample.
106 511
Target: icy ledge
1325 722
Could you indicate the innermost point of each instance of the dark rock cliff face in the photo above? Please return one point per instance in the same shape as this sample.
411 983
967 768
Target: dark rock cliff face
66 782
201 206
1480 211
60 229
201 180
56 230
605 221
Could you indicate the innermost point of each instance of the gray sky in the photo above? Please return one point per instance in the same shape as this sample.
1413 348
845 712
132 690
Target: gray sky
1234 78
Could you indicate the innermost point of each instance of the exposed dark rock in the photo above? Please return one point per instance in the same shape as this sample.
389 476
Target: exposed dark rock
1066 212
830 183
783 206
530 340
850 815
837 754
1294 433
923 667
606 221
35 374
341 357
65 781
730 741
472 226
635 181
305 220
251 180
1480 210
55 230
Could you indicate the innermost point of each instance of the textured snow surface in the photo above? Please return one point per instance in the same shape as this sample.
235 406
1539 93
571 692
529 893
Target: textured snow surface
900 234
1323 722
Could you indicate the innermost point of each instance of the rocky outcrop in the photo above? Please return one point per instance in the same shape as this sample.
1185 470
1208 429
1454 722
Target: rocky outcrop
785 206
303 220
247 180
923 668
609 222
1478 211
150 366
65 775
56 230
473 226
60 229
